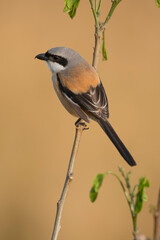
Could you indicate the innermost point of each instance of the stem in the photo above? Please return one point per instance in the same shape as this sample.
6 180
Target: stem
95 5
80 126
157 219
99 7
134 218
100 27
98 34
57 225
129 201
94 13
122 185
98 39
114 5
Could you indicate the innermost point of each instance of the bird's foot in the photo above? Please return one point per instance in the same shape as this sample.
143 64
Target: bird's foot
81 122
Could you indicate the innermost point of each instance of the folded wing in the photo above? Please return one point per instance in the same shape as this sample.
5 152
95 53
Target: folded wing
93 102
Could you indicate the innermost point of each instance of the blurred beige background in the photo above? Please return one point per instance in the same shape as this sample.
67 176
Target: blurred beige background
37 133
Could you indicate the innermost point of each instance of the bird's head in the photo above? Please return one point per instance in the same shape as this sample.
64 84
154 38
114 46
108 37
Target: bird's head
60 58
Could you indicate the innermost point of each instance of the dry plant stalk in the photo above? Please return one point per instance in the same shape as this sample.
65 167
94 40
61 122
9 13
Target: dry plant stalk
80 126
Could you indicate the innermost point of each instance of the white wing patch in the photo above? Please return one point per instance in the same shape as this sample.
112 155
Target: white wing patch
97 99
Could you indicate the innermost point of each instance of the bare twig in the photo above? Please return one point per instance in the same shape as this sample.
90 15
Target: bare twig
98 40
97 34
80 126
157 219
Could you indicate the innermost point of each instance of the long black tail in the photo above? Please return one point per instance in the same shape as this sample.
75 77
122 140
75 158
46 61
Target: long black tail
106 126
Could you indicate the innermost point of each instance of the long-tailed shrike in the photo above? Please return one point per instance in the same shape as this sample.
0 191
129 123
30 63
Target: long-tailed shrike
81 92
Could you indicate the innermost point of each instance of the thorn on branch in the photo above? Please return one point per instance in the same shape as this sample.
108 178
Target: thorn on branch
70 177
58 203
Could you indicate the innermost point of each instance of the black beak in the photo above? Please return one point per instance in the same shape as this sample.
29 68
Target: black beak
42 56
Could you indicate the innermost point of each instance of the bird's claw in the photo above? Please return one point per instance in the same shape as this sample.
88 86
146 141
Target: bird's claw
82 123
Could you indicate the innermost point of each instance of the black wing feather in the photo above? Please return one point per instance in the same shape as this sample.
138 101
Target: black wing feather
94 102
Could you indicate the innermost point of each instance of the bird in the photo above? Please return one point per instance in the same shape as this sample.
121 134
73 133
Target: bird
81 91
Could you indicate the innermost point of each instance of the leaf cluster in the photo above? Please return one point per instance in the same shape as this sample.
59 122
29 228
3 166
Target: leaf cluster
71 7
135 196
158 3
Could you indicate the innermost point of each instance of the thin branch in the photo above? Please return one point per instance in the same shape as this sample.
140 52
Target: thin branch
95 3
122 185
99 7
94 13
98 35
99 28
113 7
157 219
98 40
57 225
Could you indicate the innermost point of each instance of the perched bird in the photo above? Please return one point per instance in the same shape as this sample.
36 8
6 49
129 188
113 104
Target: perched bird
81 92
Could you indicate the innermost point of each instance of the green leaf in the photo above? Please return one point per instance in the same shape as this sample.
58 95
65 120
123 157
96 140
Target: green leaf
71 7
158 3
141 194
104 52
97 182
93 194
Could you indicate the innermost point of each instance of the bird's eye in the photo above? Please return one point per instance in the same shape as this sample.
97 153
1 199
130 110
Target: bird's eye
56 58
